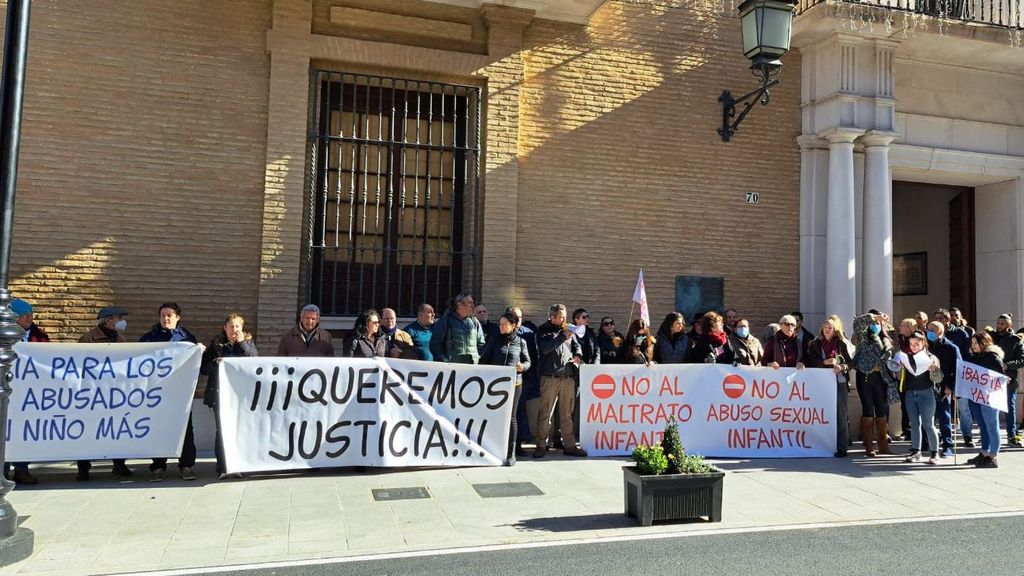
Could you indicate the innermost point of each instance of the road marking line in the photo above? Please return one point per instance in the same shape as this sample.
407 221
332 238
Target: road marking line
557 543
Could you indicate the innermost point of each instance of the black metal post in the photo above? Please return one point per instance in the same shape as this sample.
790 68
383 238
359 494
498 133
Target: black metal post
15 544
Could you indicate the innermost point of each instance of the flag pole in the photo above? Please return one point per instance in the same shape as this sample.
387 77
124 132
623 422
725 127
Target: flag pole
956 424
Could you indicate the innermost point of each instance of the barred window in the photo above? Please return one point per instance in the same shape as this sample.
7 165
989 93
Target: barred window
393 192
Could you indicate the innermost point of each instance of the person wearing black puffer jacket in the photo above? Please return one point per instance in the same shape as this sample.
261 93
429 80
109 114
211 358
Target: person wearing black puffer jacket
609 340
507 348
367 341
232 341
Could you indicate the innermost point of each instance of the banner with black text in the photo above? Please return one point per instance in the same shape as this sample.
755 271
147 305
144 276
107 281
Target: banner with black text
722 410
981 385
99 401
287 413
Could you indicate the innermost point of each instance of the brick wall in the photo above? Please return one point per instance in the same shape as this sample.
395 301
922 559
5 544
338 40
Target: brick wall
620 166
142 161
146 167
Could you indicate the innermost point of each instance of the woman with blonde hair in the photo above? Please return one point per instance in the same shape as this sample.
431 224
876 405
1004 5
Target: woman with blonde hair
829 350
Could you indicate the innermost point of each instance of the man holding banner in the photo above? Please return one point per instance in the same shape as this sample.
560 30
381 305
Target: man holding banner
983 380
169 330
111 323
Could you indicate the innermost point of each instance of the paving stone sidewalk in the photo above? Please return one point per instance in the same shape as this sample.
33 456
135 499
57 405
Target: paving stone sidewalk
109 527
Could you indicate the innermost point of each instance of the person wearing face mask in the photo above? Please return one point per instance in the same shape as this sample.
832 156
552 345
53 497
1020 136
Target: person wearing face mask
828 350
948 354
110 324
712 345
874 349
747 347
638 347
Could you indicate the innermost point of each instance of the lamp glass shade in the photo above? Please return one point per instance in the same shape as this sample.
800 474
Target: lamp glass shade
766 26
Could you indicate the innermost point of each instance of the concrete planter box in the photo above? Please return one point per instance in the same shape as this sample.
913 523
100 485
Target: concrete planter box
673 496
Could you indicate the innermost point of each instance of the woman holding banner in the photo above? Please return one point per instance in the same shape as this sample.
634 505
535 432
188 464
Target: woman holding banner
712 344
507 348
232 341
987 355
829 350
639 345
747 347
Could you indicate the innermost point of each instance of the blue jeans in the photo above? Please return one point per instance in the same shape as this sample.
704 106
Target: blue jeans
1011 413
921 410
945 422
963 407
988 427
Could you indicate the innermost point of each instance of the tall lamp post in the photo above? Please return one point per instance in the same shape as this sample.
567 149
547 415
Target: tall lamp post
766 26
15 542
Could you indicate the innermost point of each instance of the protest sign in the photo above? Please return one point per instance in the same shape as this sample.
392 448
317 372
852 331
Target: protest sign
981 385
99 401
287 413
722 410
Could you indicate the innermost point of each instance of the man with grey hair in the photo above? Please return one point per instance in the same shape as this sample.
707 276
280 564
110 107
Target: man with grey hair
306 338
457 336
560 355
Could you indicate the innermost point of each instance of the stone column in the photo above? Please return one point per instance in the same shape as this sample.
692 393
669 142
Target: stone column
813 215
840 239
877 281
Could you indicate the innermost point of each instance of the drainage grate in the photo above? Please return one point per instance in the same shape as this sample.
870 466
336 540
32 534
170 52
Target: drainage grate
507 490
389 494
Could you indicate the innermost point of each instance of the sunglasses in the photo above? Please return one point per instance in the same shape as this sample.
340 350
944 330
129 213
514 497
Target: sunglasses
607 323
584 317
788 324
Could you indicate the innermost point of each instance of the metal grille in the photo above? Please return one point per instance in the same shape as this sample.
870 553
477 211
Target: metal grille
393 192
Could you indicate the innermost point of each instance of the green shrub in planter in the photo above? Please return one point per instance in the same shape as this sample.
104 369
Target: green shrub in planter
650 460
672 446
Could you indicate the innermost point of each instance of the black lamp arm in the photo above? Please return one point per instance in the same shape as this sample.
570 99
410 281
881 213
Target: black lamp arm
729 107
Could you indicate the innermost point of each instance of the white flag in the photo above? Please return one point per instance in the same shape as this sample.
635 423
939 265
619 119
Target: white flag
640 297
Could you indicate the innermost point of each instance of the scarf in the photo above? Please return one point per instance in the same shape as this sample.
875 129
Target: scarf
717 339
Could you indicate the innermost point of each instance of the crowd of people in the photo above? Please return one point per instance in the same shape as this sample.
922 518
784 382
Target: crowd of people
881 357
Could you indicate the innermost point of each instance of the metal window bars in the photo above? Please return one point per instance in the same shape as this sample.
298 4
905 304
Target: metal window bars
393 192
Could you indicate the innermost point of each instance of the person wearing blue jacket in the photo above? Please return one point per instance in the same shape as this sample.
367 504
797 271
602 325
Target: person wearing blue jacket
169 330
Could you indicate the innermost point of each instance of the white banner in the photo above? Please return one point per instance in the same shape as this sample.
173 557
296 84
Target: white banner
722 410
100 401
981 385
286 413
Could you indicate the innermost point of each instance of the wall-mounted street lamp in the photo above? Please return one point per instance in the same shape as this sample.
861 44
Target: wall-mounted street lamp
766 26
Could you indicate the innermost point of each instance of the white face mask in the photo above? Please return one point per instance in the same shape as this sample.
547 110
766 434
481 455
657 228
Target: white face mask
121 325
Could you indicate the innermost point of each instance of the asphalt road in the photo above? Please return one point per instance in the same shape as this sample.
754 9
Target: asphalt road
988 546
